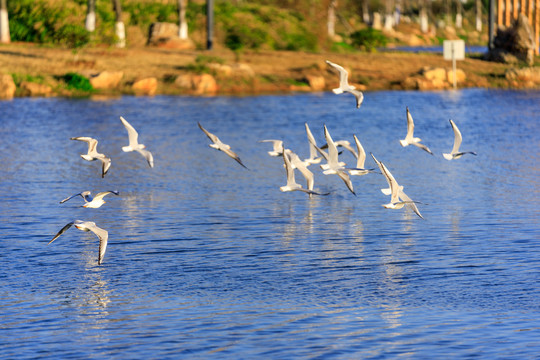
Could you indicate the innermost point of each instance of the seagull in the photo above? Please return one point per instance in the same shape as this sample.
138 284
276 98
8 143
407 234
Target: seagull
93 154
387 191
409 138
345 144
296 163
456 154
134 144
278 147
333 165
103 235
217 144
313 158
360 160
291 182
398 198
344 84
90 202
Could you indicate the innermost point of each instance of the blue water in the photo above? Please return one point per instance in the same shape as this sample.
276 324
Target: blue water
469 49
209 260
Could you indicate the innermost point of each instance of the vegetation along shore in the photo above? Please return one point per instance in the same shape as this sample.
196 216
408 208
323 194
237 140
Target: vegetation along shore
258 47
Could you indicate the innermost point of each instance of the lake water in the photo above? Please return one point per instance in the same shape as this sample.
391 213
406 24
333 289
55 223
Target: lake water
209 260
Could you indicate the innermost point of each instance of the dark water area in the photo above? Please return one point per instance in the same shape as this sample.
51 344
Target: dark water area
209 260
469 49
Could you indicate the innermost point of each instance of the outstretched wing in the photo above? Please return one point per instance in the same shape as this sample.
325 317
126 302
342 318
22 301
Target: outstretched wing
132 133
457 138
211 136
64 229
102 194
148 156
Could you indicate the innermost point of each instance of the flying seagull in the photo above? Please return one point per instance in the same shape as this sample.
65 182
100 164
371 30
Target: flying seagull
360 160
93 154
277 147
92 202
313 158
134 144
103 235
291 182
398 198
409 138
388 190
217 144
344 84
456 154
333 165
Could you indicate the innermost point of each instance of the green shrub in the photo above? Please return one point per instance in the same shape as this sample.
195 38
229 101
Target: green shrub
78 82
368 39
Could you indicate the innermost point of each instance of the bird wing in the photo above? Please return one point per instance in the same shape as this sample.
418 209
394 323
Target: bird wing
92 143
63 230
332 149
347 180
343 74
312 143
409 203
71 197
147 155
423 147
346 145
289 169
308 175
211 136
102 194
394 186
410 127
132 133
106 164
457 137
277 145
358 95
233 155
103 236
361 158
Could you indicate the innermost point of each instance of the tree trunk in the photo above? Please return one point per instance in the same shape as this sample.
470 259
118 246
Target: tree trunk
332 19
4 23
424 26
119 27
459 14
388 16
90 23
182 23
479 15
365 11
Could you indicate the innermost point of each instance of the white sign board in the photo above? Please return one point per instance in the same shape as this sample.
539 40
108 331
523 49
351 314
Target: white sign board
454 49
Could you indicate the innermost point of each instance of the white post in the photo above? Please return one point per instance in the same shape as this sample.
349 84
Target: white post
4 23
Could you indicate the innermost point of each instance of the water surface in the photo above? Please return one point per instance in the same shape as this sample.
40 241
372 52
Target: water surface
209 260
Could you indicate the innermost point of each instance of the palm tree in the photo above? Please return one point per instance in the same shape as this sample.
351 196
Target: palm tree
119 28
4 23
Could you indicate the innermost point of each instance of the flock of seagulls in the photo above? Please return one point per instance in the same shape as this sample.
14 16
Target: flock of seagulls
291 161
97 201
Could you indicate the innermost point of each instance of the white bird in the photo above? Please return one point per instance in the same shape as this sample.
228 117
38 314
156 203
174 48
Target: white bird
344 144
456 154
291 182
333 165
89 201
313 158
344 84
134 144
398 198
360 160
277 147
103 235
386 191
296 163
93 154
409 138
217 144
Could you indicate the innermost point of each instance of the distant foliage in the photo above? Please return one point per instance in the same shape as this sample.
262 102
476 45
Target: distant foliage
78 82
368 39
37 21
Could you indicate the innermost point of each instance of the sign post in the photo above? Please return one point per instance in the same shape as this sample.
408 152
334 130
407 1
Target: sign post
454 50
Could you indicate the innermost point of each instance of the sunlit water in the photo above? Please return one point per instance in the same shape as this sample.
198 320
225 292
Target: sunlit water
209 260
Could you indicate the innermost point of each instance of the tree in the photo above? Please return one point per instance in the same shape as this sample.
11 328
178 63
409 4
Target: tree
459 14
119 28
479 15
90 23
424 26
182 23
4 23
331 25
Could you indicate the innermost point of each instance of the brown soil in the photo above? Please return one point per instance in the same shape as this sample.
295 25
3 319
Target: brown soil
275 71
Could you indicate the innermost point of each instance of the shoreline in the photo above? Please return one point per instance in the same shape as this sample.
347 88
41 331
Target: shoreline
41 71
